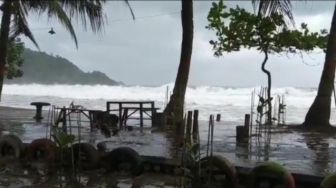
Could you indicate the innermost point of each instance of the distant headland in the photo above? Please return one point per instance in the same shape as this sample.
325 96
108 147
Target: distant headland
42 68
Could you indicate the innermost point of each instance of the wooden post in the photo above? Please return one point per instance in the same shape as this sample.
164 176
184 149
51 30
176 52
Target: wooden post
218 117
64 120
188 131
107 106
279 109
141 115
195 130
247 124
247 120
153 110
124 117
242 132
91 120
120 115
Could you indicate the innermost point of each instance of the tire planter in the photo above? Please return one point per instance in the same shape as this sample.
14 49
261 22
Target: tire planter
101 146
219 165
329 181
10 146
86 157
42 150
124 158
270 174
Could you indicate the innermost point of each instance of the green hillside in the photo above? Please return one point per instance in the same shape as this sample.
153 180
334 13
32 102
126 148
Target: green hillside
42 68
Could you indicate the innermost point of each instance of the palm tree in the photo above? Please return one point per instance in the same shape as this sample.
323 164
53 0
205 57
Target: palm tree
318 114
14 20
4 33
176 104
267 7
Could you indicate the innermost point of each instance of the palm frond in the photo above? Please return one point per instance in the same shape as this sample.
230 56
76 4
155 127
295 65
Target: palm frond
130 8
55 10
267 7
20 24
86 10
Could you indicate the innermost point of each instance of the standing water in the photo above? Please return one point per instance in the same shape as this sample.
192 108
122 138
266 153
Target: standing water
303 152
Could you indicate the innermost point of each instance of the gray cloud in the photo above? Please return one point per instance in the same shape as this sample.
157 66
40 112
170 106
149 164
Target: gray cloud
147 51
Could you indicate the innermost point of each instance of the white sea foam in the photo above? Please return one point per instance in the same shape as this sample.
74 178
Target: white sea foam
232 103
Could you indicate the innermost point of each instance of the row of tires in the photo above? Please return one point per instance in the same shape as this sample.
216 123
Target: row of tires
82 155
87 157
264 175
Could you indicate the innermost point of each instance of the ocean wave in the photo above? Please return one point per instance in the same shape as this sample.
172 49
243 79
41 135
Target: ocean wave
231 102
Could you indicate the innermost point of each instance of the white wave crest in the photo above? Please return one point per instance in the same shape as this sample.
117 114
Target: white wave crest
231 102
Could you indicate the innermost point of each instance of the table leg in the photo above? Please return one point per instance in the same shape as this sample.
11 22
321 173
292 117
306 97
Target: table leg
120 116
153 111
141 116
38 115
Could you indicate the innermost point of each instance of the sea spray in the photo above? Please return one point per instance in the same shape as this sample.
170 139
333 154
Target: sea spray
231 102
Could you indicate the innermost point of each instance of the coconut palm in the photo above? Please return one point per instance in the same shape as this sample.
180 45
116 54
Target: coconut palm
175 107
318 114
267 7
15 13
176 103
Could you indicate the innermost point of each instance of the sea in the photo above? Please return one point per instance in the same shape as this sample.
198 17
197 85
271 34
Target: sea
232 103
303 152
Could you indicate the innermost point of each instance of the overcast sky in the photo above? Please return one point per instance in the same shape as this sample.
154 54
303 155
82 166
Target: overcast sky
146 51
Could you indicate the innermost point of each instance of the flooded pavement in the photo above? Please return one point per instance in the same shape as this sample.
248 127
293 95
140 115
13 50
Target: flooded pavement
146 141
299 151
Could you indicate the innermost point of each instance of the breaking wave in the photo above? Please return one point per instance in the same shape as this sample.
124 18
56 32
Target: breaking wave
231 102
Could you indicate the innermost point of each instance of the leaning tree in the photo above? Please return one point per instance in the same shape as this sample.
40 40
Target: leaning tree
236 28
318 114
174 108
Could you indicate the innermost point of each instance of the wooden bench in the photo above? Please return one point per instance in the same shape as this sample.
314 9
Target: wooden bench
124 107
133 110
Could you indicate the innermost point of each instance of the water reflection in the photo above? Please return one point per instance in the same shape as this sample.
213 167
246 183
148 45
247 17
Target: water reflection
298 151
319 144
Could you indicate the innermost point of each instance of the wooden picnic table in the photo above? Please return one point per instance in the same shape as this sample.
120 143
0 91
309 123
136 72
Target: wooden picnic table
124 106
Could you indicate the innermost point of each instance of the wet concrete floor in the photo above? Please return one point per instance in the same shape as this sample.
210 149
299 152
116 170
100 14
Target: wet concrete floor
303 152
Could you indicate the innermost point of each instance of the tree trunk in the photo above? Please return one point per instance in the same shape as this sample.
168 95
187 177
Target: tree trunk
319 112
4 34
269 89
175 106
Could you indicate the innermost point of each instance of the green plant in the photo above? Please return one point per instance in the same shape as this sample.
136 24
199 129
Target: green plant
237 28
62 139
